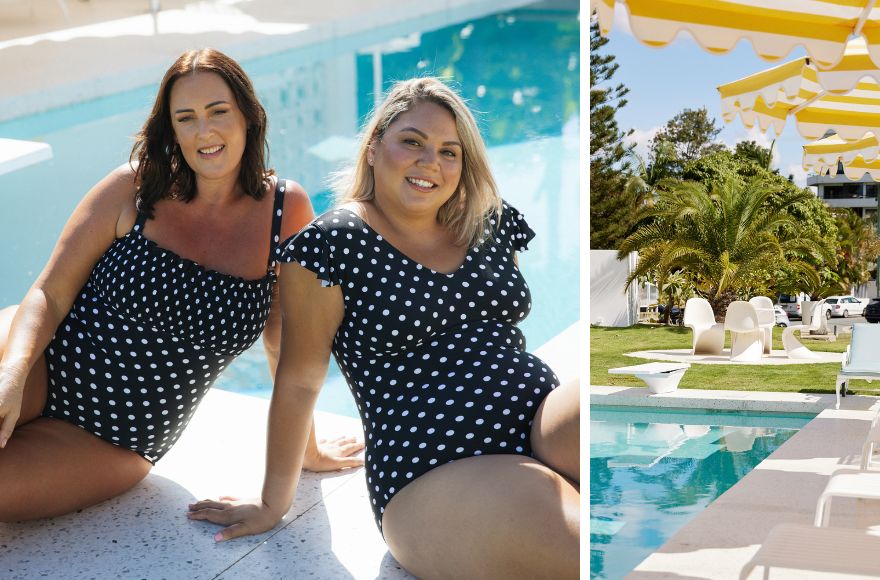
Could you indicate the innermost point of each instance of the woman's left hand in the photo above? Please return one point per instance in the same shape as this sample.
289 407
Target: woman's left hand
241 517
335 454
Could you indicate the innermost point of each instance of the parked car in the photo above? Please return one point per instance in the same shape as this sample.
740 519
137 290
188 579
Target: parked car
676 315
872 310
781 316
844 306
791 304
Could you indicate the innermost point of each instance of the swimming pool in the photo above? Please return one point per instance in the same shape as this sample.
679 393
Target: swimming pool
528 114
651 471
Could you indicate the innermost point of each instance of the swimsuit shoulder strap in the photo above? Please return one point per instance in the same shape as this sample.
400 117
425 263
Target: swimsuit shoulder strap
277 214
140 221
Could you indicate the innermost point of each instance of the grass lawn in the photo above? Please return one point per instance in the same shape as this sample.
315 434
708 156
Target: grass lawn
608 345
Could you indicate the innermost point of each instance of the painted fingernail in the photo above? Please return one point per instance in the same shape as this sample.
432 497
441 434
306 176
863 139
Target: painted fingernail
218 537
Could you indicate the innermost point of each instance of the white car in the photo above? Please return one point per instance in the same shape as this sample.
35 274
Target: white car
781 316
844 306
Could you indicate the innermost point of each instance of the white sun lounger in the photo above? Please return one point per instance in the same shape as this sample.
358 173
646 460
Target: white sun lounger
825 550
860 360
660 377
846 483
855 483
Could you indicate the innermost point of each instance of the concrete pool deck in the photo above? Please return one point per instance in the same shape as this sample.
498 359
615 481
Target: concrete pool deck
784 488
328 533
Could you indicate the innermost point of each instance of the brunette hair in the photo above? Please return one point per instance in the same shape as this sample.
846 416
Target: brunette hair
162 172
476 197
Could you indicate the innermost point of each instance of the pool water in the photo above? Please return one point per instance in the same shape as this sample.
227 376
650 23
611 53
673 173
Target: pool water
652 471
316 100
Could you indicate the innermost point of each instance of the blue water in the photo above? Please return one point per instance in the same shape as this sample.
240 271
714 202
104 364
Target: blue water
652 471
519 71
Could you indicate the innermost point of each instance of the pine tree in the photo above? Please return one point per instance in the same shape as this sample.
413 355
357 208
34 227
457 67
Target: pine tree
692 135
612 204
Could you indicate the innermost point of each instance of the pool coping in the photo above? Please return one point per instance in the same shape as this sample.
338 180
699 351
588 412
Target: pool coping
758 401
784 488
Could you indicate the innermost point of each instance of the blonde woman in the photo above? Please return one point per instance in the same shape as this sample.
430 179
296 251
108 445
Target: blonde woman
412 283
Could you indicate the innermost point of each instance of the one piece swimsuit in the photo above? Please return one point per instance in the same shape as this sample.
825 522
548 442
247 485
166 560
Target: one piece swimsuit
147 336
435 361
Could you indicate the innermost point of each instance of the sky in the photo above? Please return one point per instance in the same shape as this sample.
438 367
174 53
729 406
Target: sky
664 81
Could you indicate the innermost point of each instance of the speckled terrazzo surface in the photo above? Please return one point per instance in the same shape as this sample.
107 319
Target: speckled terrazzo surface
329 533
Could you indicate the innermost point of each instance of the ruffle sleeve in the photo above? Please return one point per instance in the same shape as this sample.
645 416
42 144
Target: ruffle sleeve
516 228
311 249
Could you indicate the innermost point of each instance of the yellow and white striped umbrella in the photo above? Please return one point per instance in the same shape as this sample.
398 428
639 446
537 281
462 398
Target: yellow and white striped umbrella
773 27
765 100
857 157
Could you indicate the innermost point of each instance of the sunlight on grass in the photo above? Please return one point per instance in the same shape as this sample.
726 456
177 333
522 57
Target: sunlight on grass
609 345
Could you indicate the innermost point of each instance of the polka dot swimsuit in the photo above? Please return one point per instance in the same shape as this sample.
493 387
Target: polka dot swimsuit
435 362
147 336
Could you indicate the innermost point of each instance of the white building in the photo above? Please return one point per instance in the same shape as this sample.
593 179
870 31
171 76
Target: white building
840 191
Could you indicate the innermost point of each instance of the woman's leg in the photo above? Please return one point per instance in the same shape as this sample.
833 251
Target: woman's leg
492 516
556 431
50 467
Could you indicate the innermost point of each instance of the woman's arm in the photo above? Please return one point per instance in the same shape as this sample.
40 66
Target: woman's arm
86 236
311 314
329 455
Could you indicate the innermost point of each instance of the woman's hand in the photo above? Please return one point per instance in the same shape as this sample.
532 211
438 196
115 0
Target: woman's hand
241 517
11 394
334 454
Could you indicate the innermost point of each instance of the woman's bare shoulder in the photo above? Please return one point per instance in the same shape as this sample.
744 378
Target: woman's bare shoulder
298 211
116 193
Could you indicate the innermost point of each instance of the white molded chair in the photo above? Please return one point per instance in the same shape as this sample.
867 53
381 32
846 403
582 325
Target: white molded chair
766 319
708 335
860 361
793 347
746 334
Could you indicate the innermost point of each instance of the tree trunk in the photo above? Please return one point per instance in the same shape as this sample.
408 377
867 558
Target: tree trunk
720 304
668 312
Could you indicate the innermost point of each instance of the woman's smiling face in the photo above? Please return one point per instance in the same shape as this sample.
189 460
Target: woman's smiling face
417 163
209 127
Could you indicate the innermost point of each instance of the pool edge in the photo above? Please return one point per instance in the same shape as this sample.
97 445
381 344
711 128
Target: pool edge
763 401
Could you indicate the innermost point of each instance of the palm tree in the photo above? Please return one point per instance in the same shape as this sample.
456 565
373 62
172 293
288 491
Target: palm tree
858 247
727 239
677 288
652 174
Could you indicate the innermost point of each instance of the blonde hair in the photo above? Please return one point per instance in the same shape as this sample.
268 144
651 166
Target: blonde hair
476 197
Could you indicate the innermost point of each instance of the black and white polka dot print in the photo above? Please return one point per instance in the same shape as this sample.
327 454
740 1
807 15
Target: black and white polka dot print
146 338
435 362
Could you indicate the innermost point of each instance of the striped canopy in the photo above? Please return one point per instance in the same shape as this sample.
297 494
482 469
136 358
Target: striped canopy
774 27
857 157
764 100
